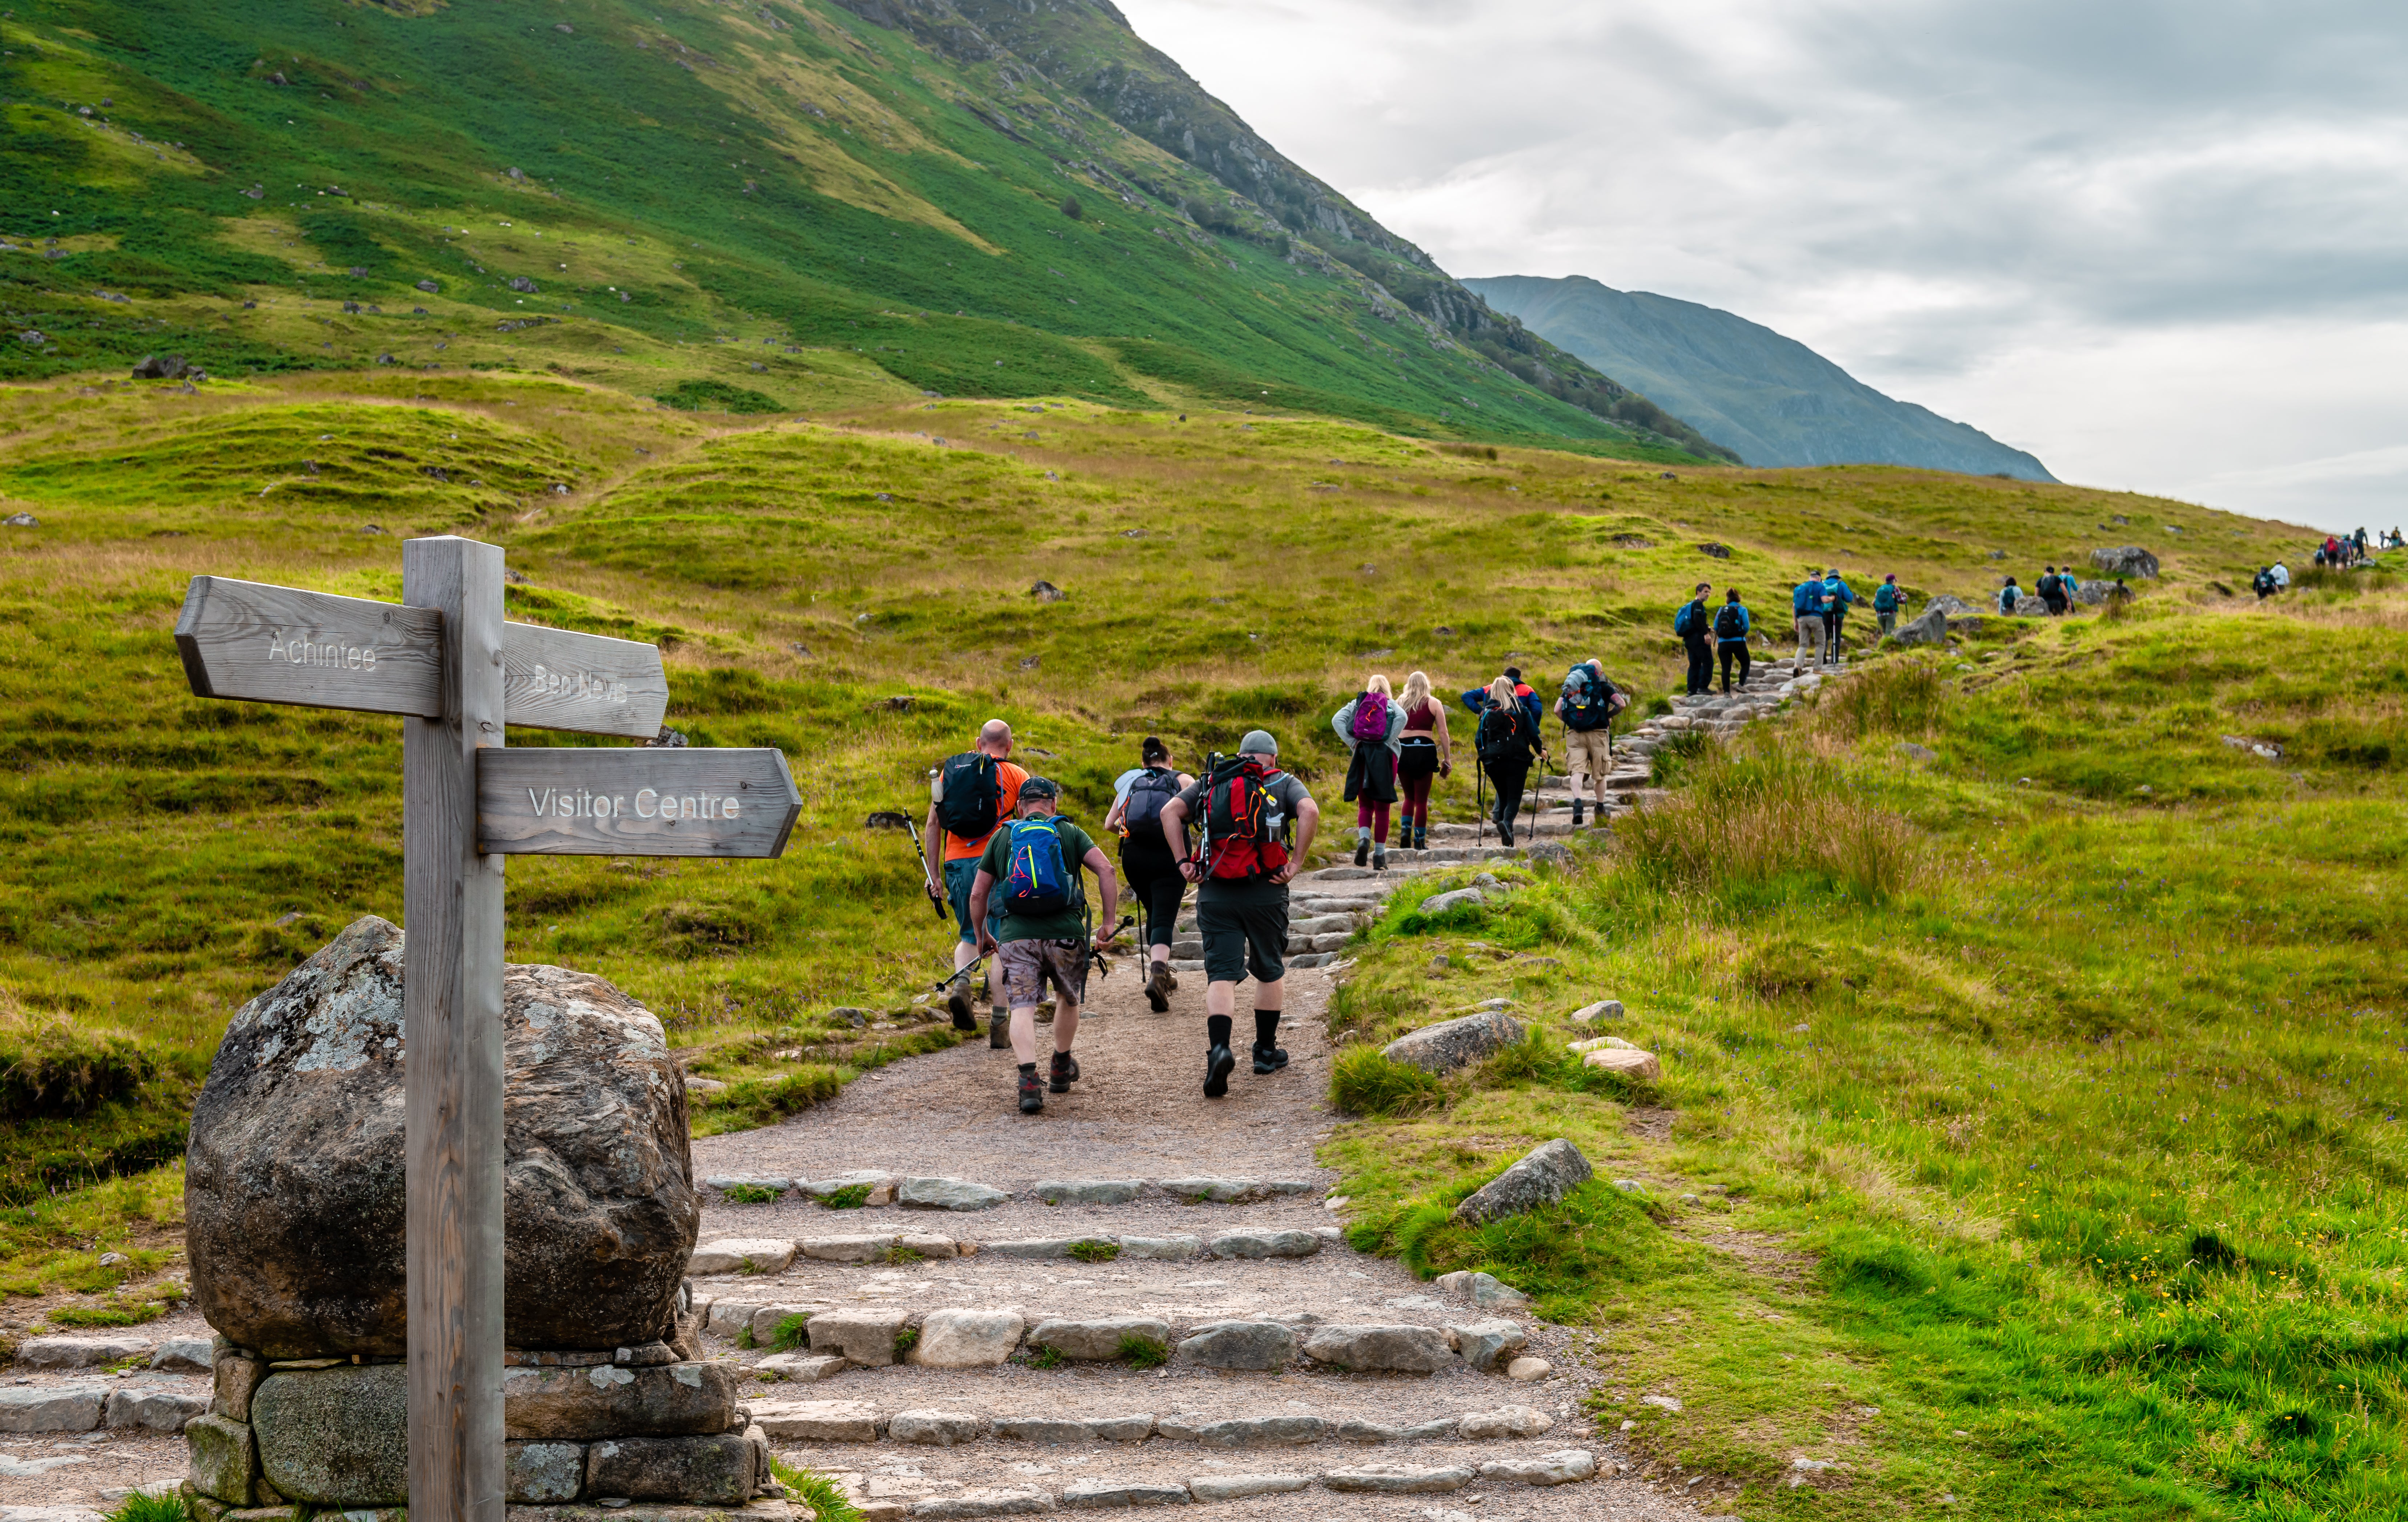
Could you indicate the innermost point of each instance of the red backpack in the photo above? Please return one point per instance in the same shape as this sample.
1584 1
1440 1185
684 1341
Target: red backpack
1241 833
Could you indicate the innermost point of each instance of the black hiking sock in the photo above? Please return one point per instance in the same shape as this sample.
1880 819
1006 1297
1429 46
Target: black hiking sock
1028 1070
1265 1028
1216 1030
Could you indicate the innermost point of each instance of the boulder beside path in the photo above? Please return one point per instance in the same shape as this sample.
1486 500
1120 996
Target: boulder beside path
1543 1177
293 1187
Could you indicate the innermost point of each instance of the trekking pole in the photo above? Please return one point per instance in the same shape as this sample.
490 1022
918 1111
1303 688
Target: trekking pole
1479 798
920 853
939 985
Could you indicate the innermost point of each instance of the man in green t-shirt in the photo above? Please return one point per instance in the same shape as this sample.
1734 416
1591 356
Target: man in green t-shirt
1032 865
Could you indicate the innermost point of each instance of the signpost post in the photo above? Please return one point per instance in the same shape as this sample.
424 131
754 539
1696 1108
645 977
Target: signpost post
444 660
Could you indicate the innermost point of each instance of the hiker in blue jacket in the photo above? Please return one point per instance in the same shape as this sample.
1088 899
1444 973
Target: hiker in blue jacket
1806 606
1836 599
1695 625
1731 624
1523 694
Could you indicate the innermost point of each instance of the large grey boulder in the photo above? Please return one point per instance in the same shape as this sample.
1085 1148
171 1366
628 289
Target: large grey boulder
294 1183
1542 1178
700 1470
224 1455
1239 1344
2125 560
55 1408
1952 604
336 1436
1407 1350
1452 1043
1930 627
2098 592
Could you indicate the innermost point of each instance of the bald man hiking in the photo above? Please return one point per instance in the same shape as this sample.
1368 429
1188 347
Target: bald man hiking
971 796
1257 822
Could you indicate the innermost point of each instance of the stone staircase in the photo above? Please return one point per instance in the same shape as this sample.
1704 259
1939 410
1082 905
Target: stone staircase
1140 1297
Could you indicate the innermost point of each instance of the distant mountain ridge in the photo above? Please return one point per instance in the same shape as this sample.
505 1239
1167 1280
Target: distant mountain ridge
1772 399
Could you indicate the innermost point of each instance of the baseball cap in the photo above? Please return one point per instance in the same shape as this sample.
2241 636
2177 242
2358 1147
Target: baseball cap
1039 786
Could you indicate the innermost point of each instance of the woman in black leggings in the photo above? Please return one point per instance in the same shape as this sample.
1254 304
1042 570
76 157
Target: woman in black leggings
1147 867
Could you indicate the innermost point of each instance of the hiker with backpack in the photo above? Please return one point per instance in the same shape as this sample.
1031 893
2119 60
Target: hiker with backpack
1506 743
2052 591
1838 597
1424 753
1732 622
1885 599
1028 876
971 795
2263 583
1148 871
1587 706
1373 725
1256 823
1694 624
1806 608
2009 595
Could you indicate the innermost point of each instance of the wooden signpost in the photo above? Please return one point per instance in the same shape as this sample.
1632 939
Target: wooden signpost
444 660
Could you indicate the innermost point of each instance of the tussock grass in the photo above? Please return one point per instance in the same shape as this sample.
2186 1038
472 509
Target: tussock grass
1363 1082
1772 816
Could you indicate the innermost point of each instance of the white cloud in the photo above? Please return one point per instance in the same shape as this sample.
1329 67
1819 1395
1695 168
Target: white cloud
2102 229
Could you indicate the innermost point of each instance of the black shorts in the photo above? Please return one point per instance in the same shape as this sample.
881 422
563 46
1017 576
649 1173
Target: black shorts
1244 929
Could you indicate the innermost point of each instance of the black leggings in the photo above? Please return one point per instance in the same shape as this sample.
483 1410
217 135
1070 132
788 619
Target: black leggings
1152 880
1507 778
1734 650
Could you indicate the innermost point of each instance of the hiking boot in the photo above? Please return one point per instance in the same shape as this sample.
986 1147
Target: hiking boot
1066 1072
1421 838
1362 850
957 999
1218 1064
998 1030
1032 1093
1576 811
1505 833
1379 859
1158 987
1270 1060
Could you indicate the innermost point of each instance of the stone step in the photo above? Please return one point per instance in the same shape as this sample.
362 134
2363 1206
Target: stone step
982 1479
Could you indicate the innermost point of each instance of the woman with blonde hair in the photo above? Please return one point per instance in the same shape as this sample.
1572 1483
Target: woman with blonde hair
1425 752
1371 724
1507 741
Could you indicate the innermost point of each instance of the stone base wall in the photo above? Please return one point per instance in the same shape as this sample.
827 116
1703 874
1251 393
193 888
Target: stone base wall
638 1426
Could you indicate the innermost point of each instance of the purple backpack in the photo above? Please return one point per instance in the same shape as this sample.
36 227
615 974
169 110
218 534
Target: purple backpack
1371 718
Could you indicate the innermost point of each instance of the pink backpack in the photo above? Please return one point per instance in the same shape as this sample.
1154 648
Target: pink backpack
1371 718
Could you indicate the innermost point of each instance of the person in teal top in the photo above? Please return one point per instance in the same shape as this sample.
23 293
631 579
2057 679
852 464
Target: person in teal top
1836 599
1885 599
1046 943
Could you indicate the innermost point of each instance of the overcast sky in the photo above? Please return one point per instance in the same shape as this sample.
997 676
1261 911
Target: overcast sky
2162 246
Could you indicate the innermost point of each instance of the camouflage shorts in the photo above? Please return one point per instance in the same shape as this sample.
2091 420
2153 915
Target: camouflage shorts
1029 965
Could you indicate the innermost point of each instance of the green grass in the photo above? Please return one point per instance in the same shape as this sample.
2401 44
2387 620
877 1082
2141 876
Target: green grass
905 1340
1142 1352
1095 1252
852 1197
751 1194
793 1332
2057 1173
816 1490
143 1507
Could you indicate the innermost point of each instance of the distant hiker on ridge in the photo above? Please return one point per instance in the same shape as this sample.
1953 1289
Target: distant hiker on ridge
1694 624
1886 604
1731 623
1806 607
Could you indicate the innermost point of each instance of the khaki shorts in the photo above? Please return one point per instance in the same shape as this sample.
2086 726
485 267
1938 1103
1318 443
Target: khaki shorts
1029 965
1585 755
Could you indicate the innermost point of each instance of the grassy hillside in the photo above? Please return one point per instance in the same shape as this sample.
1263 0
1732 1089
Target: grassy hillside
2010 1147
769 207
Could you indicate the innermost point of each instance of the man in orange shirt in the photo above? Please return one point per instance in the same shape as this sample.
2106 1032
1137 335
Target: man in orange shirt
970 795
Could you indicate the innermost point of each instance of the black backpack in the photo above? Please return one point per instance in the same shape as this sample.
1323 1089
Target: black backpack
2049 588
1495 738
1146 796
1726 621
971 799
1589 698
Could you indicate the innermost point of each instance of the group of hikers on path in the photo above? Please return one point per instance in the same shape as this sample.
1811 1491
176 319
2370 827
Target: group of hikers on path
1012 874
999 853
1818 608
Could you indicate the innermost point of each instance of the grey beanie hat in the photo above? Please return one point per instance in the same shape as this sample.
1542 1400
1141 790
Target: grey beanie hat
1258 743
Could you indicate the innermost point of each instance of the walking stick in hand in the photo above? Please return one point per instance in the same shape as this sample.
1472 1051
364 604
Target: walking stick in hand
919 854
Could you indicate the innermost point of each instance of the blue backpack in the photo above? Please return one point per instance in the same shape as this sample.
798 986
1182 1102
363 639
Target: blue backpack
1038 882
